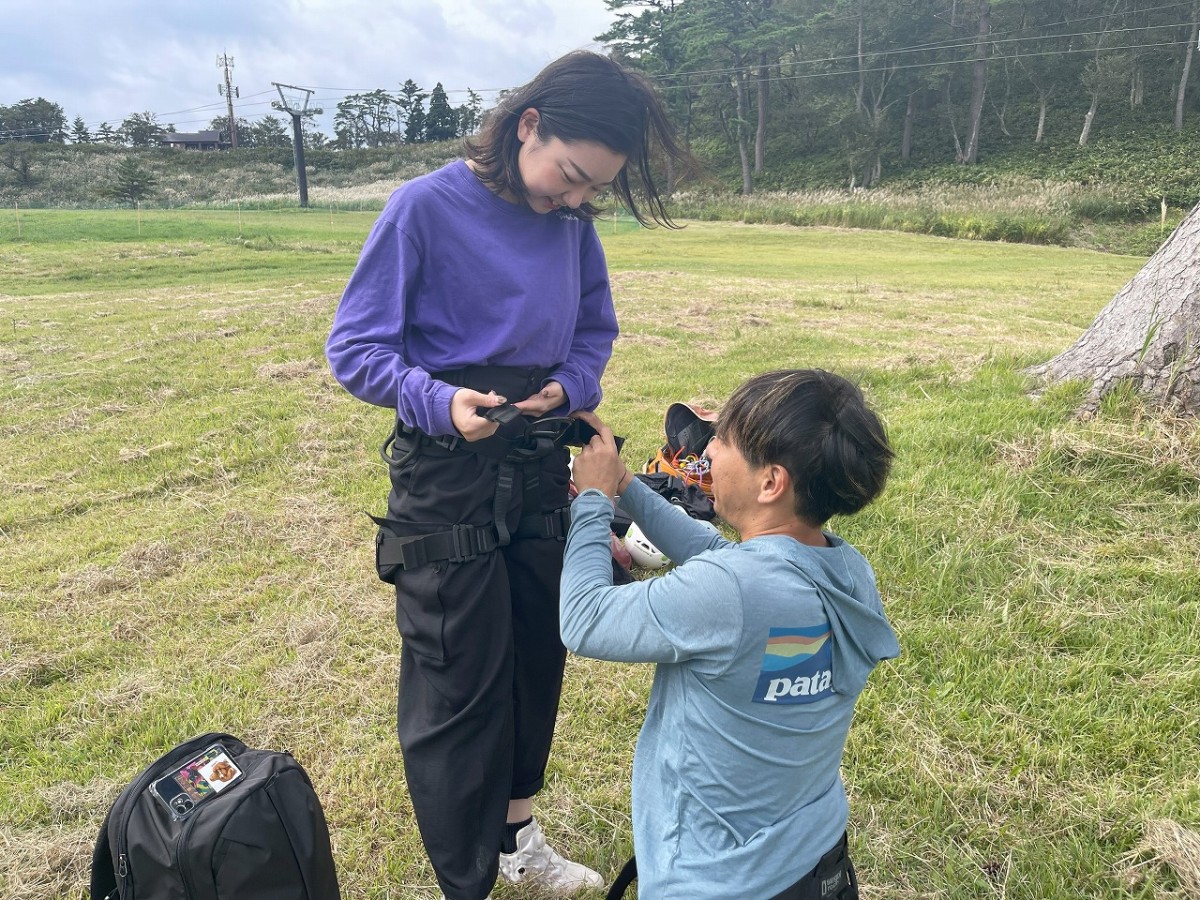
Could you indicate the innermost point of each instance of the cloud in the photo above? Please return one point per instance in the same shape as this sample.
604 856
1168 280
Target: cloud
105 61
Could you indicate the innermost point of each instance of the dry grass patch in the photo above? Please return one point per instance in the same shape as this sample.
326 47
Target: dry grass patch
290 370
1167 844
44 863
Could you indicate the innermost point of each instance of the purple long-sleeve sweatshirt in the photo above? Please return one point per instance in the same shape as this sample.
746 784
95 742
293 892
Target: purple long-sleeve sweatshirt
452 276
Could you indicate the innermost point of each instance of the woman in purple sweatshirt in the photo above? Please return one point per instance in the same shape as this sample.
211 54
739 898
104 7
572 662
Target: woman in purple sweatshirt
481 284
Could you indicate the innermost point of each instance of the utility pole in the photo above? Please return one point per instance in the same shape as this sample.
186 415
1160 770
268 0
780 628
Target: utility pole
296 108
228 90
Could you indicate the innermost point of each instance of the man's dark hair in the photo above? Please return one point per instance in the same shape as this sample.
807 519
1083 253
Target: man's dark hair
582 96
818 426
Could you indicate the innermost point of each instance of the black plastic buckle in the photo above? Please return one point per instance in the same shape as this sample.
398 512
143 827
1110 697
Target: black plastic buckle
510 421
558 523
469 542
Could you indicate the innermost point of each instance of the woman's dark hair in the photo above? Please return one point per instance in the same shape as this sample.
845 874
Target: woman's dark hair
817 426
582 96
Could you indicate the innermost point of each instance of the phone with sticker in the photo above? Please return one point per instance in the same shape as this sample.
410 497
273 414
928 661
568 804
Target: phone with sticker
199 779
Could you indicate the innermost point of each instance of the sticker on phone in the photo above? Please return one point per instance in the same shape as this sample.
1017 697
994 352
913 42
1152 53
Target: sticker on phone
199 779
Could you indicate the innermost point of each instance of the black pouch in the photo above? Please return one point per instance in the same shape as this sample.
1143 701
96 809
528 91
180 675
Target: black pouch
832 878
387 572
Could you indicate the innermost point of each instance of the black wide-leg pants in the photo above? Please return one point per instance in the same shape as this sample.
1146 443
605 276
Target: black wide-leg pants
481 660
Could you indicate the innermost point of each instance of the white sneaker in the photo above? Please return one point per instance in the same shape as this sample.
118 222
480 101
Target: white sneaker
537 863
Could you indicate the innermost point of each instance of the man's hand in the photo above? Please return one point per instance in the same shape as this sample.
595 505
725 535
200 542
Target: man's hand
599 464
471 425
551 397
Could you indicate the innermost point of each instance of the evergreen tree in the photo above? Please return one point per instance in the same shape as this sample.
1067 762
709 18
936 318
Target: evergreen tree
269 131
470 114
36 121
143 129
79 131
441 121
410 104
131 183
221 124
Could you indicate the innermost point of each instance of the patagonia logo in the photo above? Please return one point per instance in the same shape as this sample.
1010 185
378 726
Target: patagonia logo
797 666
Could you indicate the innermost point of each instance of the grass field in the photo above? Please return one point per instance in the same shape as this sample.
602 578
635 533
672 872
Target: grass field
183 545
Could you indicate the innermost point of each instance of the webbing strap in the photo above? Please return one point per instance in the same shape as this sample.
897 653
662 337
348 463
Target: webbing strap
461 542
506 478
627 877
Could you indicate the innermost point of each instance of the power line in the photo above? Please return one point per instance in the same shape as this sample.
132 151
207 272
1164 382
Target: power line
709 75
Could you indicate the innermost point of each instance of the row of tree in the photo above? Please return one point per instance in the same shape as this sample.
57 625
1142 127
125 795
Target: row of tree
42 122
375 119
870 75
870 80
380 118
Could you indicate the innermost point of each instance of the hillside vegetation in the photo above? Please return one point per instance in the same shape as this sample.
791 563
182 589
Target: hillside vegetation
1124 192
1061 121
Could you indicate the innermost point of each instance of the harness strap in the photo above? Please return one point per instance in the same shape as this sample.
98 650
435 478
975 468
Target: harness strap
506 478
460 543
627 877
833 878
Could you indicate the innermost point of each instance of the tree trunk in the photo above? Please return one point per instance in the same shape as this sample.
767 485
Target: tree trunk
743 110
1194 38
862 67
958 150
1041 129
1002 109
906 140
979 81
1087 120
1137 86
760 133
1148 333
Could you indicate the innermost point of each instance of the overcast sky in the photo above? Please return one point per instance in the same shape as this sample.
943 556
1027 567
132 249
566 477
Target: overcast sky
102 60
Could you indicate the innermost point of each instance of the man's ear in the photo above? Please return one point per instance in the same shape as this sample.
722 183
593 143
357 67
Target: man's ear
774 483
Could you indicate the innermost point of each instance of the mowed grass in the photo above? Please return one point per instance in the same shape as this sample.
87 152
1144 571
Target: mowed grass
183 546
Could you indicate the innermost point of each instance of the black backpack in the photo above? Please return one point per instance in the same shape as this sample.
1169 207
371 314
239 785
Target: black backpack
213 819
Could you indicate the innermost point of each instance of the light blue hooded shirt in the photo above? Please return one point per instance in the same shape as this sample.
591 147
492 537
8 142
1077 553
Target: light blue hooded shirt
762 649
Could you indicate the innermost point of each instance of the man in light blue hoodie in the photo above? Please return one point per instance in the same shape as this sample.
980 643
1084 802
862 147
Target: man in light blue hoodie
762 646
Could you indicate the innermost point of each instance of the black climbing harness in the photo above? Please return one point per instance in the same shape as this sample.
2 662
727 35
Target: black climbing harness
520 443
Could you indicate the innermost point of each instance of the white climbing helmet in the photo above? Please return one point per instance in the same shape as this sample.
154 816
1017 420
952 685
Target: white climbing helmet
643 553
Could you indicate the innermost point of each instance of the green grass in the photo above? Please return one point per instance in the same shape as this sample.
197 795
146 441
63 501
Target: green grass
183 545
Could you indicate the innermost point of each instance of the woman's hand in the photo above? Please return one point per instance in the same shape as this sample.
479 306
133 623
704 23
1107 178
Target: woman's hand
548 398
471 425
599 464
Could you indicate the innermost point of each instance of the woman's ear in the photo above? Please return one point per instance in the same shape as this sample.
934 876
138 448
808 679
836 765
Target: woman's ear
527 124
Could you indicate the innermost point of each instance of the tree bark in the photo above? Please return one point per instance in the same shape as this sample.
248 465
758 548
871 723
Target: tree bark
743 110
1193 39
979 81
906 140
1087 120
760 133
1149 333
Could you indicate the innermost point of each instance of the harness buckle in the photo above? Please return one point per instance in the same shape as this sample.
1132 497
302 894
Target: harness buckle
469 542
